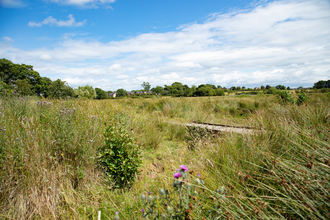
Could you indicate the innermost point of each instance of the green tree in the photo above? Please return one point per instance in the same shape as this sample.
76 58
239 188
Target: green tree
100 94
23 87
157 89
85 92
60 89
280 87
146 86
3 88
10 73
322 84
121 92
219 92
205 90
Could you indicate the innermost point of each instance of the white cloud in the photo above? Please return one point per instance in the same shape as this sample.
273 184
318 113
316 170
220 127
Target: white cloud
115 67
53 21
122 76
188 65
282 42
11 3
84 3
45 57
7 39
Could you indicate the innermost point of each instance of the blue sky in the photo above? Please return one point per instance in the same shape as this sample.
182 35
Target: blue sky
114 44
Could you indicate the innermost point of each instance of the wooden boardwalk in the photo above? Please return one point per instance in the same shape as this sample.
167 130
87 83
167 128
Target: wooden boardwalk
219 127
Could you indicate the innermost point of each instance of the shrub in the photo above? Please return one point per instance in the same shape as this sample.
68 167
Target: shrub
119 156
301 98
286 97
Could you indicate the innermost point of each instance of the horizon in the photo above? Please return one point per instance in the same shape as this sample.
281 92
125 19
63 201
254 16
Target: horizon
113 44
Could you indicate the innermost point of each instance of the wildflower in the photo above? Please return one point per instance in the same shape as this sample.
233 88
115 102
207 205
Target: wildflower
177 175
142 210
198 175
116 216
183 167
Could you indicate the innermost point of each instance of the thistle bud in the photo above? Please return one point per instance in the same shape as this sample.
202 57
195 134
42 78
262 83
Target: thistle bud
143 197
116 216
169 209
162 192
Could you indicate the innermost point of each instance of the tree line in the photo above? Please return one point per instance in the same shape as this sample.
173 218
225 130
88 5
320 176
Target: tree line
21 79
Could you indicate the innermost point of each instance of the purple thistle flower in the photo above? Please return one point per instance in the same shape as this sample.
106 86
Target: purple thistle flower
142 210
178 169
183 167
177 175
198 175
117 213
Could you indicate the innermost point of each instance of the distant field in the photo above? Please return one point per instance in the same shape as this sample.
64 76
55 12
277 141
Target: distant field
49 148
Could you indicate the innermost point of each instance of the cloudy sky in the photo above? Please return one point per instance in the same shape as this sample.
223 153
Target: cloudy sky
114 44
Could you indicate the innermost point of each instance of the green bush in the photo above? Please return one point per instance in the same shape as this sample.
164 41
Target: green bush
119 156
301 98
285 96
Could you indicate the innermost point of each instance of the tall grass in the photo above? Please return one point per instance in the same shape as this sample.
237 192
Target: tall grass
49 169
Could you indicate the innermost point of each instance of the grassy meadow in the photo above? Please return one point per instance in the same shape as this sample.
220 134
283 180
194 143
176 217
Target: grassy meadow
49 149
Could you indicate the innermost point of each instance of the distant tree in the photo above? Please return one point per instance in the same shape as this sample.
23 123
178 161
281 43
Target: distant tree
177 89
225 89
157 89
193 90
42 89
280 87
322 84
205 90
243 88
262 87
212 86
288 88
23 87
219 92
85 92
268 87
146 86
100 94
10 73
4 88
238 88
121 92
60 89
233 88
219 87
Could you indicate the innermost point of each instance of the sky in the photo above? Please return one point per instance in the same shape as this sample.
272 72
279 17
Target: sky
112 44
